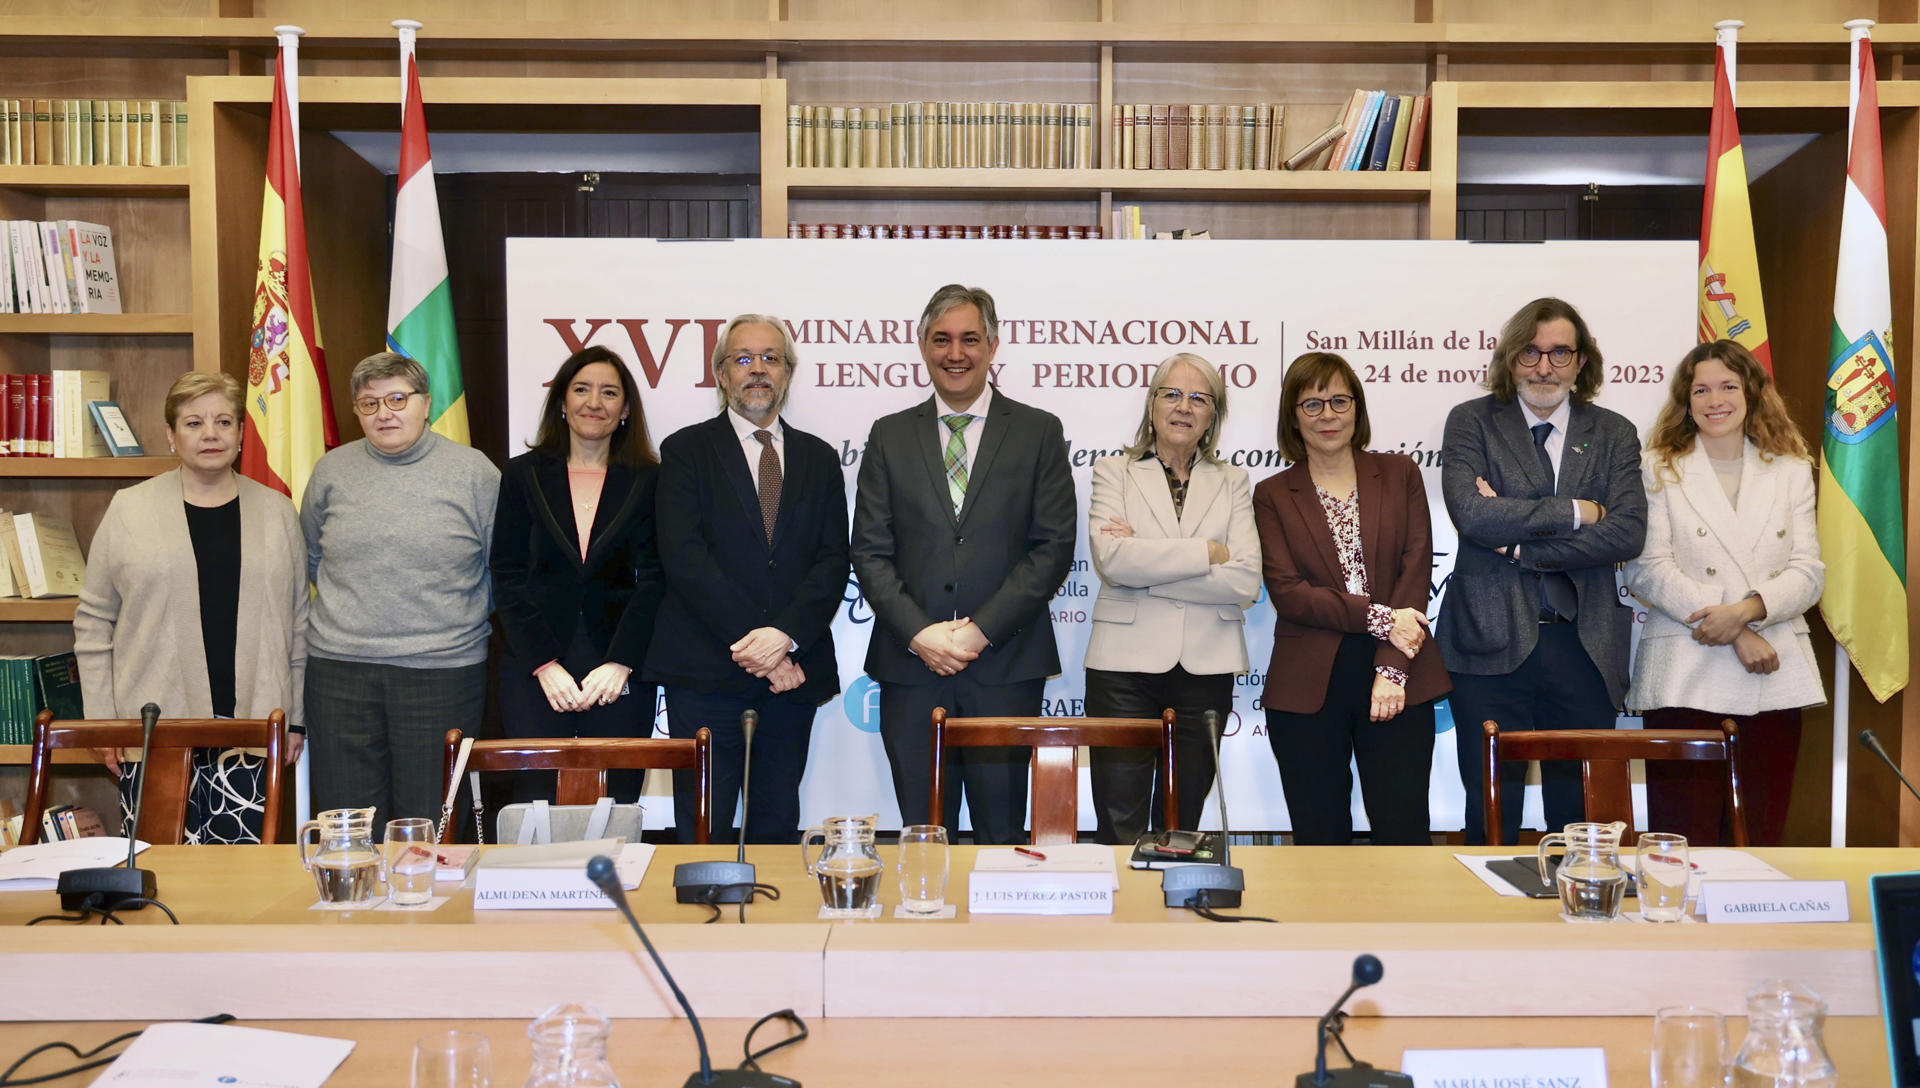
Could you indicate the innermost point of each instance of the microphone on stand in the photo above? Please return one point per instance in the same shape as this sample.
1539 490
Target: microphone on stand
1208 885
601 871
1872 744
724 881
107 888
1366 971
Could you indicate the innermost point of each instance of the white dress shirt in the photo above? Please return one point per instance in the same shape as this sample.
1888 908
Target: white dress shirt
1556 438
972 431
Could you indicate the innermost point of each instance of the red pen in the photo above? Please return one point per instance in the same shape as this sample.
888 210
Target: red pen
1034 854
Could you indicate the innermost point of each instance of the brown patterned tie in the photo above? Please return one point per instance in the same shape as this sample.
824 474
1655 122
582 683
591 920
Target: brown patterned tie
769 481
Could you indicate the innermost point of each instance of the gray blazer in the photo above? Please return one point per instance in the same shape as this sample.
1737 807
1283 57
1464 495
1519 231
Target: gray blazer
999 561
1489 621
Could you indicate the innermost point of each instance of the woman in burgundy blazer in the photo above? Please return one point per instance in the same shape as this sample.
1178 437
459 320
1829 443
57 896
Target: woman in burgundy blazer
1346 544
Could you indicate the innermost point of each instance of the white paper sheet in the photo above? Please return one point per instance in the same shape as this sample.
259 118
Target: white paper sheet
226 1056
37 868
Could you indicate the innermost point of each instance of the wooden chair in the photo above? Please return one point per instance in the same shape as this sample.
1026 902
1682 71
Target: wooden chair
1604 773
583 764
1056 761
167 766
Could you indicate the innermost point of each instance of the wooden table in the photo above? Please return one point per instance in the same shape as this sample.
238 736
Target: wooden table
1463 967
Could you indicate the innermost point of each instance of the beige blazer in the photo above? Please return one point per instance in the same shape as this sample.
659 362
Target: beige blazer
1161 603
137 630
1702 551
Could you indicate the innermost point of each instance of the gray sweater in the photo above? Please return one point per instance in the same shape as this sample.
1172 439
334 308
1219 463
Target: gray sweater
397 552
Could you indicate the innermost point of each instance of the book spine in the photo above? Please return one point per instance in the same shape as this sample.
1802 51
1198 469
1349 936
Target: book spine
1262 136
1383 133
57 120
856 137
796 135
1083 135
116 132
1143 136
150 133
41 404
1216 126
1417 133
98 149
9 422
1159 157
180 141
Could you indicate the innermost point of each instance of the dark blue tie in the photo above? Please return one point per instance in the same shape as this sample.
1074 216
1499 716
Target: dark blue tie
1558 600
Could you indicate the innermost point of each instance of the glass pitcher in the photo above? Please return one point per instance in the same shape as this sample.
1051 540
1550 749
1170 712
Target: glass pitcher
847 866
1784 1045
1592 882
345 865
570 1048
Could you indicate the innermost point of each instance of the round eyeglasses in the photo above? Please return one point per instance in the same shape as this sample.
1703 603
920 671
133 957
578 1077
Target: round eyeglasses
1340 403
394 402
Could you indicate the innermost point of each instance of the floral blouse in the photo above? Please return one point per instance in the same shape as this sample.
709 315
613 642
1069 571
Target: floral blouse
1343 521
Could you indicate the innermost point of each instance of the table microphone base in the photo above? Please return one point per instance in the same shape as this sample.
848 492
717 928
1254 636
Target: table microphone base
744 1078
1222 883
1355 1078
104 888
696 881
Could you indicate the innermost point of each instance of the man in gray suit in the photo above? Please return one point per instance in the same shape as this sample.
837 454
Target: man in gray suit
1544 488
963 528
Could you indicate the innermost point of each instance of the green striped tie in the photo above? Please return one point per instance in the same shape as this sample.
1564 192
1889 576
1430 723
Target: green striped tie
957 458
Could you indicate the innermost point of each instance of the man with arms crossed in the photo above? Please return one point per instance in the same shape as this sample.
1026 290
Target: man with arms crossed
1544 488
752 516
963 528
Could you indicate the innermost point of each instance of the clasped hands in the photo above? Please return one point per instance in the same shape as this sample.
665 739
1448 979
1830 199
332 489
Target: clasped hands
763 653
1726 625
598 688
948 646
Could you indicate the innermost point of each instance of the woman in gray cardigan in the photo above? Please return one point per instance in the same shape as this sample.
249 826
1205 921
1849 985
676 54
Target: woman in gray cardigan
171 615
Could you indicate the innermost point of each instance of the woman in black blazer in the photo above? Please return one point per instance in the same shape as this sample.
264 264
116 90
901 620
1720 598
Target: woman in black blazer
576 568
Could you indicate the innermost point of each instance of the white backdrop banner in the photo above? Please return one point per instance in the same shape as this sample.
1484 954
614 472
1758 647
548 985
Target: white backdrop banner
1082 327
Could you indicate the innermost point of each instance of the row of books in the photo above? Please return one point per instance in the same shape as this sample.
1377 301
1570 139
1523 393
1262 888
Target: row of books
61 822
1127 224
29 685
962 135
938 230
1377 131
1189 136
68 413
57 266
39 557
94 132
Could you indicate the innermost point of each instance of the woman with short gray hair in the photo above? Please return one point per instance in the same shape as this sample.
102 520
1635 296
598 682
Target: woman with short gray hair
397 526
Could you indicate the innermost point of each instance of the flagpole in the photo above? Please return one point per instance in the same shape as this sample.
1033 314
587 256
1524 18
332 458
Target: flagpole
1726 35
1842 707
408 28
289 38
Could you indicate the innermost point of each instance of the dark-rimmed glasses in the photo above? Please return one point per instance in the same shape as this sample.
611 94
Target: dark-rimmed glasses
1561 358
1341 404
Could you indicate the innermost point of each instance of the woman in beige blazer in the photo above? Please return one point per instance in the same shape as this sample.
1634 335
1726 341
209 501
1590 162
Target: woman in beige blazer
196 599
1731 565
1170 528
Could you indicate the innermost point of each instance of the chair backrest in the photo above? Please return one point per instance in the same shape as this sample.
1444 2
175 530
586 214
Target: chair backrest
1604 771
1056 761
583 764
167 766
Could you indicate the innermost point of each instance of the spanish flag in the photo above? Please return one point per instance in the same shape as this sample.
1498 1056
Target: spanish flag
289 412
1730 304
1862 535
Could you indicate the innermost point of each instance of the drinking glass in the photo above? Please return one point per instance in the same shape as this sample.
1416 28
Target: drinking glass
923 868
452 1059
1660 877
1689 1048
410 861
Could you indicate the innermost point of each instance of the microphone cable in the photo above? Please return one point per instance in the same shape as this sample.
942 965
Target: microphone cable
752 1060
1202 905
86 1058
92 907
711 894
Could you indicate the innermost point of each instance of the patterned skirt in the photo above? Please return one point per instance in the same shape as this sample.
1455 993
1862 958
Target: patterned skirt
225 802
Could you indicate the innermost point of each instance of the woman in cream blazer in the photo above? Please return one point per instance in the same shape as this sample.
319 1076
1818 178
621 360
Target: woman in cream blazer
1731 565
142 630
1170 529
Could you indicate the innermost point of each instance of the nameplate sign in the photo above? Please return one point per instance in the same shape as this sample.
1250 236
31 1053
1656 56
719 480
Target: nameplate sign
1518 1067
1774 900
1058 879
553 877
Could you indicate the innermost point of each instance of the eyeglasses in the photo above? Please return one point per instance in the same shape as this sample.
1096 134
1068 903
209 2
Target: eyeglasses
1341 405
1561 358
746 359
1172 398
396 402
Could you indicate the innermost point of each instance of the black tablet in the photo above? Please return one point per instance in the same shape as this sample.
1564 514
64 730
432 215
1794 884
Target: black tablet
1896 939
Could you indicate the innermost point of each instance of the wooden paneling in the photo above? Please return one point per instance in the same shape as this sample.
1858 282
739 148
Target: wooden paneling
347 247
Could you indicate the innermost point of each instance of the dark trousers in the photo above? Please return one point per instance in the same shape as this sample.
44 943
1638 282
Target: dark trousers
526 714
378 733
779 760
1689 798
1128 795
1395 758
994 779
1556 687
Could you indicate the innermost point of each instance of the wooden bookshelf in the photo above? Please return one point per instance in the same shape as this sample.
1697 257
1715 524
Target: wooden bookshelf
97 324
95 180
55 610
101 468
908 183
20 755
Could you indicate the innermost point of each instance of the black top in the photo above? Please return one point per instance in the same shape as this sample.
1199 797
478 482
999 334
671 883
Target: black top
215 531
